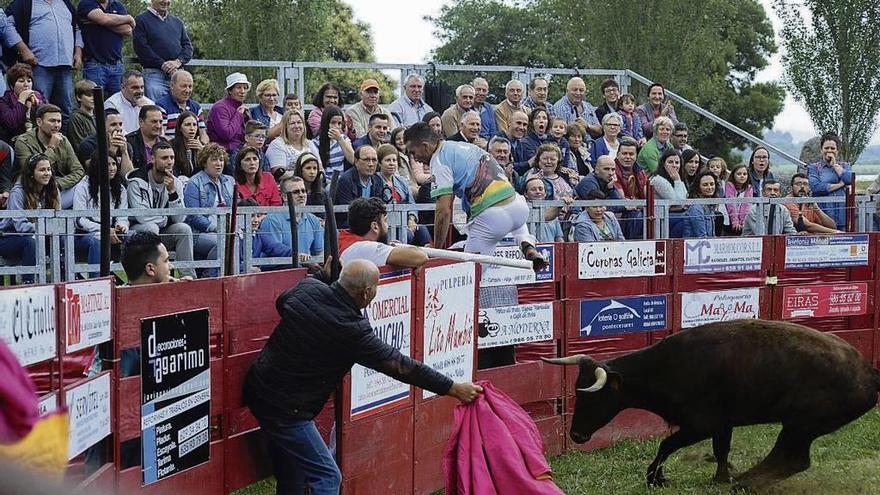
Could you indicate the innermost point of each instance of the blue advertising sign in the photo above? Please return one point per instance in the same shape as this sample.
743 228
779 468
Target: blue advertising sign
622 315
548 251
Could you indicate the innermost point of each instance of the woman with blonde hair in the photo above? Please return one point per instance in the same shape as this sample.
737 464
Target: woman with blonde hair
293 142
268 111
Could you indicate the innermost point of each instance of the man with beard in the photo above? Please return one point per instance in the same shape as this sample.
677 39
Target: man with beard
808 217
367 238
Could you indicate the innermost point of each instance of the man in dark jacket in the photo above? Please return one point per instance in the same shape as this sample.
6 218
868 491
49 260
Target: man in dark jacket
322 334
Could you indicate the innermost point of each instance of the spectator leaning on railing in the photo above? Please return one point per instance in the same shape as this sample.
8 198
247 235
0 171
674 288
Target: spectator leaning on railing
273 236
550 229
829 177
808 217
36 189
776 219
595 223
699 220
156 187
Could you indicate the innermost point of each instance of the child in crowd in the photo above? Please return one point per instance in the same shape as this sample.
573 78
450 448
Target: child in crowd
739 186
632 123
718 166
557 133
82 119
292 102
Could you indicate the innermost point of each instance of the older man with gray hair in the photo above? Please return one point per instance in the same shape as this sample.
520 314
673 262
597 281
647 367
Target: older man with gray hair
464 102
322 333
513 93
488 128
469 130
573 107
410 108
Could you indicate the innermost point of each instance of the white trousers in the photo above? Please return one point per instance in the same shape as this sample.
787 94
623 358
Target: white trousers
487 229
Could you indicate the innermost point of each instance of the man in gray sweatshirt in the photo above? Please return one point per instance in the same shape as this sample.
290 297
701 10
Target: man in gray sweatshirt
156 187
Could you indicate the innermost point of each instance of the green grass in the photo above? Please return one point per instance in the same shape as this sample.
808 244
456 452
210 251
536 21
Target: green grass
846 462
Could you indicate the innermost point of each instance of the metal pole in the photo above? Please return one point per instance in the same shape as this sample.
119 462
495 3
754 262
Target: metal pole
478 258
331 239
850 205
103 178
294 234
649 212
230 232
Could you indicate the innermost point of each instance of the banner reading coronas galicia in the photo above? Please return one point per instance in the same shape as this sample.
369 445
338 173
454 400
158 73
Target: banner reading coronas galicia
175 394
621 259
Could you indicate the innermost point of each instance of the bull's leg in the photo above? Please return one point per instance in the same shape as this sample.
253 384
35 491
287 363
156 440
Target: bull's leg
721 449
679 439
789 456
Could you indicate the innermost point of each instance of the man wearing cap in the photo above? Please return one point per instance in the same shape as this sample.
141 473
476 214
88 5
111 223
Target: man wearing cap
361 111
227 117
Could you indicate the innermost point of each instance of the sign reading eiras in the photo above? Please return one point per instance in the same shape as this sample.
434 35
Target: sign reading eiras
449 321
175 394
621 259
390 316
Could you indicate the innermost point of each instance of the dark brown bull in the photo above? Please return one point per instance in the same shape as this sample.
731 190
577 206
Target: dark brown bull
709 379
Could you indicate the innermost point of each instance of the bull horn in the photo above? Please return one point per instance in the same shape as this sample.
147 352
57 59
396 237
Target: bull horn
576 359
601 378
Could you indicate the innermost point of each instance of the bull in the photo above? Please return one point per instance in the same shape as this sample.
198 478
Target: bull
707 380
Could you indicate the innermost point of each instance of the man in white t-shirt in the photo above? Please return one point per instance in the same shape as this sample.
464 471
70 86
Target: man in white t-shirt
367 238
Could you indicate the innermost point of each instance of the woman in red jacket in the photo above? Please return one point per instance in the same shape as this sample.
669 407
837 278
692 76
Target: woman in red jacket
252 183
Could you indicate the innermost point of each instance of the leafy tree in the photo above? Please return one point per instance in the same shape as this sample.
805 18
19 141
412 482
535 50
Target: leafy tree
284 30
832 65
707 51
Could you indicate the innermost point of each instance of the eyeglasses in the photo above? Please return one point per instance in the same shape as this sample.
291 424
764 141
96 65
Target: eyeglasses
258 137
270 95
612 125
369 160
680 135
610 90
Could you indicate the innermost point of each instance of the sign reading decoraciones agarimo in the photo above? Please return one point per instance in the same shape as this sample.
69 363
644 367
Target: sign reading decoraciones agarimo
449 321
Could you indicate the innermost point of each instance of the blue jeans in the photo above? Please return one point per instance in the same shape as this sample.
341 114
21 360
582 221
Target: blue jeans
108 76
157 83
56 85
299 456
205 248
19 247
87 245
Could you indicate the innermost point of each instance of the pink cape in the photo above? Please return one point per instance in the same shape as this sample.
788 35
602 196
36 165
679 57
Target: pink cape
495 448
19 410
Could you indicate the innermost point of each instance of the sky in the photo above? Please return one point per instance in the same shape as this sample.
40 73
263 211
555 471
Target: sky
402 35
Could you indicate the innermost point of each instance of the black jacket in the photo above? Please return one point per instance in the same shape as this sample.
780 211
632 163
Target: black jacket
322 334
138 150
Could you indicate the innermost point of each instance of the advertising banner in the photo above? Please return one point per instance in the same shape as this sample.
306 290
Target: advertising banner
27 323
88 414
513 325
722 254
622 315
821 251
815 301
449 321
494 275
699 308
88 308
621 259
390 315
175 394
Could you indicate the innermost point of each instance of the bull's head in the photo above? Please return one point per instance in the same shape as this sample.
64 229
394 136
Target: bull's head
598 396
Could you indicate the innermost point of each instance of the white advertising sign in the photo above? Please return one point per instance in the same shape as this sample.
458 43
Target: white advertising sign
722 254
699 308
493 275
511 325
621 259
48 404
449 331
88 413
27 323
87 306
390 315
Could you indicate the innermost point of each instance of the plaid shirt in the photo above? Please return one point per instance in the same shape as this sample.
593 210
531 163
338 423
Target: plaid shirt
566 110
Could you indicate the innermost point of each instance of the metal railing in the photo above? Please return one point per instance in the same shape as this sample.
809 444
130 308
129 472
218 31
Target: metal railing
57 231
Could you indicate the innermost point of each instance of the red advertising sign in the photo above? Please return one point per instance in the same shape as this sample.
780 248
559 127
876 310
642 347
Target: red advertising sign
825 300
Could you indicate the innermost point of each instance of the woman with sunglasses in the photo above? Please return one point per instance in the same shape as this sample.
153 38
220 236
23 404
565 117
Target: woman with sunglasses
87 196
35 190
396 190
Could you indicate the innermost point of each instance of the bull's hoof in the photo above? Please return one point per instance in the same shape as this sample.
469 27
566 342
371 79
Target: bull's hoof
657 479
722 479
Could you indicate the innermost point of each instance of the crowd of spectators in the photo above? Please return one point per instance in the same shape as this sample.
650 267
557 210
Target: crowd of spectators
165 151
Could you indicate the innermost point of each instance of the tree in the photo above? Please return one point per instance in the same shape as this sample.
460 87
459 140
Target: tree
832 65
282 30
711 57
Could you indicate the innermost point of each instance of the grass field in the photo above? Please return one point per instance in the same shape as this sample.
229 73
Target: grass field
846 462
